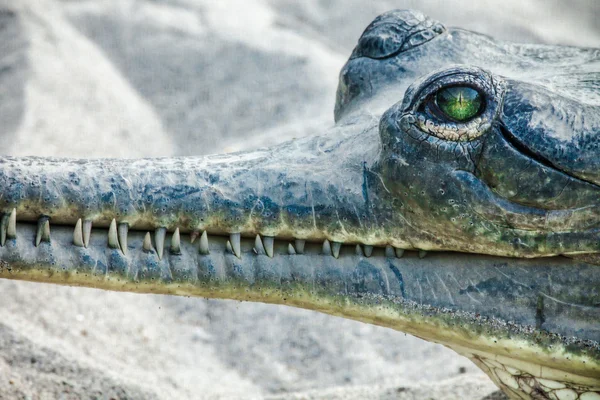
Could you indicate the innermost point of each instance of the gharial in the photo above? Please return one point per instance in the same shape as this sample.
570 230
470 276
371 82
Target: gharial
456 198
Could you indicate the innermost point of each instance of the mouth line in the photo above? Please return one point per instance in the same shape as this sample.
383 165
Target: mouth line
259 244
526 151
117 233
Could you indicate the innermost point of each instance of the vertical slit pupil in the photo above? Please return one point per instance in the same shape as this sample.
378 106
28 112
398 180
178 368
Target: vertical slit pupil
459 103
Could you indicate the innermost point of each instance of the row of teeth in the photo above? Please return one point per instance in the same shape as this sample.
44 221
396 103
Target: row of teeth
117 239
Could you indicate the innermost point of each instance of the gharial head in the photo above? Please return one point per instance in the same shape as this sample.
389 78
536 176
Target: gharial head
482 147
444 140
486 147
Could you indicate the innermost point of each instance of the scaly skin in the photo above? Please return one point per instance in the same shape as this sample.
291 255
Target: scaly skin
502 198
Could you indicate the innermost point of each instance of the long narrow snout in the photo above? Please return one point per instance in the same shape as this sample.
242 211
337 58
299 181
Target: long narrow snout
303 189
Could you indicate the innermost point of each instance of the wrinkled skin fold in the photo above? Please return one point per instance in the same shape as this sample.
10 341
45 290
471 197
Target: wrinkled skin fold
506 193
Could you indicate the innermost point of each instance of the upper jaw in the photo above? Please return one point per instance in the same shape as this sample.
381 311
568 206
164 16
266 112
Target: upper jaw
308 189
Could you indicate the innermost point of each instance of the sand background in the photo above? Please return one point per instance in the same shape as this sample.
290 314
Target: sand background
140 78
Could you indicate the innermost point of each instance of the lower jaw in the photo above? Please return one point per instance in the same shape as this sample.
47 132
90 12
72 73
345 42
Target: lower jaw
483 307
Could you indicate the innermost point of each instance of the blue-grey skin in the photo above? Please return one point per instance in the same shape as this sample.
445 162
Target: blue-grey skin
501 198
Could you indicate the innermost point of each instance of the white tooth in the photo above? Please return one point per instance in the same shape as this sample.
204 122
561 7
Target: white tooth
78 234
269 242
299 245
291 250
113 240
204 244
122 232
228 247
368 250
193 236
3 225
399 253
422 253
41 225
87 232
327 248
389 252
335 249
258 246
147 246
159 240
176 242
11 229
235 238
358 251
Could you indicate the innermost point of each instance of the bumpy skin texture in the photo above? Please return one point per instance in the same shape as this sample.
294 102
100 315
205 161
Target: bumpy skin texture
520 179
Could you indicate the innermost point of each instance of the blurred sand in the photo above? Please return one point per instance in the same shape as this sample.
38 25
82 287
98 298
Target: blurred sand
159 78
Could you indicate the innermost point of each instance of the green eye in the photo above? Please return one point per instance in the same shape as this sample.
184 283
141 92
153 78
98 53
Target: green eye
459 103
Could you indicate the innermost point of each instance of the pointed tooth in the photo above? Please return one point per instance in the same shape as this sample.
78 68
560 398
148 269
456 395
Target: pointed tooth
258 246
122 232
78 234
3 226
335 249
269 242
11 229
229 248
299 245
327 248
46 232
422 253
113 240
389 252
41 225
234 238
204 244
358 251
159 240
176 242
368 250
193 236
147 245
291 250
399 253
87 232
